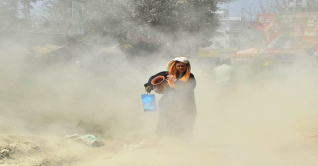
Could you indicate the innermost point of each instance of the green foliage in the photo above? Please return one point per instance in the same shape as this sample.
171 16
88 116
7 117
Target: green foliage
159 21
174 16
8 13
58 15
15 14
27 6
192 21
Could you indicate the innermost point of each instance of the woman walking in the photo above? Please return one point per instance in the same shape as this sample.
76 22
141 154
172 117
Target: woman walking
177 108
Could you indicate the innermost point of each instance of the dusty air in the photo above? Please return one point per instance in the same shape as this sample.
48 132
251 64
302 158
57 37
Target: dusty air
160 83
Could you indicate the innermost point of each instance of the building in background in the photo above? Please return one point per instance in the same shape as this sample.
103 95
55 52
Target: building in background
229 31
230 37
301 5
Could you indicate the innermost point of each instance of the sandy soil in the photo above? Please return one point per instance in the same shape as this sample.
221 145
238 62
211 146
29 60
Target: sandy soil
275 126
271 120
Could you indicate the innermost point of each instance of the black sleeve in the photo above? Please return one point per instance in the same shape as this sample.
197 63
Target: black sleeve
191 84
163 73
192 81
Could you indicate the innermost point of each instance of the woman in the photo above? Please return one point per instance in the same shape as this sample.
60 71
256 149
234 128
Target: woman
177 106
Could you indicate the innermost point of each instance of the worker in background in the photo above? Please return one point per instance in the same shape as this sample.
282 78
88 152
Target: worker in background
224 83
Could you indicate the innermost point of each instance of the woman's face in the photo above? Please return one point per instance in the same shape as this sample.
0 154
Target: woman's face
181 67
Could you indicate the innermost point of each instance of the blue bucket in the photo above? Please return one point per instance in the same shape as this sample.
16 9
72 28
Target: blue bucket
149 102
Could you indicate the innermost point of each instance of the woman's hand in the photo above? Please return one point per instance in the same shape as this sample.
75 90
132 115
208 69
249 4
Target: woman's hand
148 89
172 78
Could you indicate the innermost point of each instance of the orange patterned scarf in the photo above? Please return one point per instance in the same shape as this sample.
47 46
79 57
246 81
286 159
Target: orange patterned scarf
173 71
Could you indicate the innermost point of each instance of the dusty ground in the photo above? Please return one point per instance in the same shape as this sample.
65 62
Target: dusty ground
275 126
268 120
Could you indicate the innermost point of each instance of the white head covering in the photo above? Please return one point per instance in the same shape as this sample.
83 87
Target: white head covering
179 59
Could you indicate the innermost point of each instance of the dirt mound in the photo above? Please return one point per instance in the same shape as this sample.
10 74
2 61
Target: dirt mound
21 150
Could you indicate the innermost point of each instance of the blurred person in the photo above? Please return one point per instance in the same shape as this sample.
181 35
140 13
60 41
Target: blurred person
297 37
310 34
223 80
177 107
310 30
274 37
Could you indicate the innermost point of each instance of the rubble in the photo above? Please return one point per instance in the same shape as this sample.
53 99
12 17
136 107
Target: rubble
4 153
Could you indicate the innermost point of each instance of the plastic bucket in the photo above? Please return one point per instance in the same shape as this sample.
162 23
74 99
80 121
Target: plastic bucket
149 102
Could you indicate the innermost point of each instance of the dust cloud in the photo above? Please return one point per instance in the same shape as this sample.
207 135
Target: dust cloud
270 118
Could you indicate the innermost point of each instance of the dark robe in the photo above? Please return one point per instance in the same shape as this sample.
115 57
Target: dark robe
177 108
